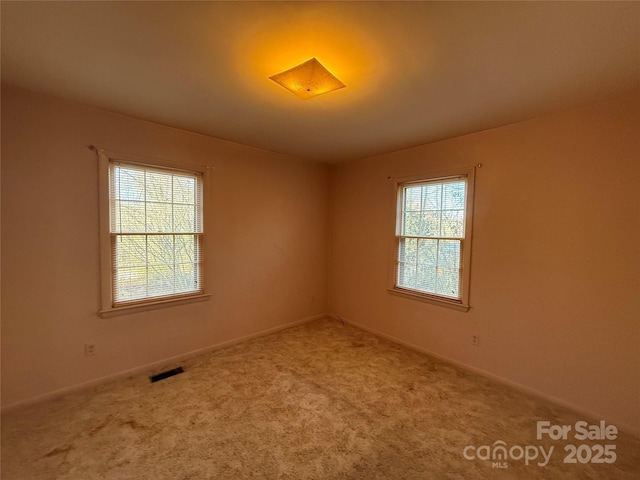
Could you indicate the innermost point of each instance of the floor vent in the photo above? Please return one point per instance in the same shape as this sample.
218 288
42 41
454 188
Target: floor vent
167 374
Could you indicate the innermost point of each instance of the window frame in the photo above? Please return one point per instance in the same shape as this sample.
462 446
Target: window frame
107 302
462 302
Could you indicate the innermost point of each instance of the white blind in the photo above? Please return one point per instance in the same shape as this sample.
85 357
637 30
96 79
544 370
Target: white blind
431 236
156 232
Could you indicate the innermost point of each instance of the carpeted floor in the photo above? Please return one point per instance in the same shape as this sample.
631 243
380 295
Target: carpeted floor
318 401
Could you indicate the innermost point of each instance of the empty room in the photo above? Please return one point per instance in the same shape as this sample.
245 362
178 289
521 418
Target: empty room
320 240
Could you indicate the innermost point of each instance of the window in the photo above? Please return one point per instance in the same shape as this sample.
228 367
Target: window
433 238
151 236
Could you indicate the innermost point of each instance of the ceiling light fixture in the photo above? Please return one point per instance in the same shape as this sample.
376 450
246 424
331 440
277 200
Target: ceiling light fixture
309 79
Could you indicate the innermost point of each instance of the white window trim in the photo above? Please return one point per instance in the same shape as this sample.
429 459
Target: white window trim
397 183
106 281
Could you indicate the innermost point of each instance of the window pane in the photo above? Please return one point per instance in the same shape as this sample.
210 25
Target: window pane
430 223
453 195
167 265
159 217
186 279
447 282
131 251
427 252
411 224
184 218
412 199
426 278
185 249
430 266
128 184
184 190
434 210
432 197
408 250
160 280
452 224
407 275
129 217
159 187
131 283
449 253
160 250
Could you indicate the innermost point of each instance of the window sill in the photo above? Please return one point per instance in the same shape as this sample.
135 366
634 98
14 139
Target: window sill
429 299
143 307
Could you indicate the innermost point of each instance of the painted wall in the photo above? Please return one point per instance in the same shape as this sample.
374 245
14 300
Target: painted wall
555 260
266 243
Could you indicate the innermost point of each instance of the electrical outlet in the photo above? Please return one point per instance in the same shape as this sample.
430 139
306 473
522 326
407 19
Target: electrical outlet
89 350
475 340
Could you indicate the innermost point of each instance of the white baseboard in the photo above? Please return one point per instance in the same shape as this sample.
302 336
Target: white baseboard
150 367
589 415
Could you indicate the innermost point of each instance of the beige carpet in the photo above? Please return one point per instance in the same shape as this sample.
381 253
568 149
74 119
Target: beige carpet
319 401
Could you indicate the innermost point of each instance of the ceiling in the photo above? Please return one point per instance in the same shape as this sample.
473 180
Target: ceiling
416 72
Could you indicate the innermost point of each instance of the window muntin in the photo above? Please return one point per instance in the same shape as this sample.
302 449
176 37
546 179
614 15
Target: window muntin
155 227
432 238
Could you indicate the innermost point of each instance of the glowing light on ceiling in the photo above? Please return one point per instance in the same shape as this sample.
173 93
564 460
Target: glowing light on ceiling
292 37
309 79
